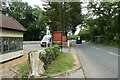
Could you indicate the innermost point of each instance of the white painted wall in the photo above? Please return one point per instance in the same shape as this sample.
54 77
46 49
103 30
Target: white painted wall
8 33
10 55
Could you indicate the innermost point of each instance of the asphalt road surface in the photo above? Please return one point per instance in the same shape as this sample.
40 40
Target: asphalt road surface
32 47
98 61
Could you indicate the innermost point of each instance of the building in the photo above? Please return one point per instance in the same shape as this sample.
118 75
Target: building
11 38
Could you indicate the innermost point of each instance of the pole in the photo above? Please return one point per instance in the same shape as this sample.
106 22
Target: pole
61 23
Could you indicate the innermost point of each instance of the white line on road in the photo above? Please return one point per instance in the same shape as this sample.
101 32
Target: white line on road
113 53
96 48
105 50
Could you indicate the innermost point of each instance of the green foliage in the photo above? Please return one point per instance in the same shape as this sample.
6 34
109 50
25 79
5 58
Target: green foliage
51 54
24 67
72 37
85 34
24 76
105 24
31 18
64 16
56 50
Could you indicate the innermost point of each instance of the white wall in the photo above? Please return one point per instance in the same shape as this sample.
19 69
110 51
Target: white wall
10 55
8 33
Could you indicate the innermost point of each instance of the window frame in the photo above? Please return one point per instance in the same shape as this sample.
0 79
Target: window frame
18 41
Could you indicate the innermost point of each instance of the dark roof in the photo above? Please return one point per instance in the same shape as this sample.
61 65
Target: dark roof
10 23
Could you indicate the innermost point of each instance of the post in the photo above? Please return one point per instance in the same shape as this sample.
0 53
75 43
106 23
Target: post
61 24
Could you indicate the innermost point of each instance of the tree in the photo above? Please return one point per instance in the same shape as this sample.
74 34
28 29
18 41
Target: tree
31 18
75 15
105 22
63 16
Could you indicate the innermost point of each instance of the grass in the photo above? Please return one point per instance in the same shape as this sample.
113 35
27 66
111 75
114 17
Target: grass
110 45
115 45
63 63
23 69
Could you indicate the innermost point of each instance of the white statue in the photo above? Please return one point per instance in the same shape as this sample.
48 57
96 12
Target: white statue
47 31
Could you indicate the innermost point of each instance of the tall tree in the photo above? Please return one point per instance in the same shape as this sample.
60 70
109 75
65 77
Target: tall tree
105 21
64 16
31 19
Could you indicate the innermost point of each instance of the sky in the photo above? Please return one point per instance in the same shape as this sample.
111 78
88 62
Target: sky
35 2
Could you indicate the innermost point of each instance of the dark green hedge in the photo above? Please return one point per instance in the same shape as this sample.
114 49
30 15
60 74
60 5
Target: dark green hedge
51 54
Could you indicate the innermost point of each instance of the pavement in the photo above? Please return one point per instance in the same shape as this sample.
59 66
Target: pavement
77 73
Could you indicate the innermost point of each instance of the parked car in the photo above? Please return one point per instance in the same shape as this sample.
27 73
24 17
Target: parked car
46 41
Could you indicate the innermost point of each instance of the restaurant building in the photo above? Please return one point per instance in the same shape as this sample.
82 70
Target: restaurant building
11 38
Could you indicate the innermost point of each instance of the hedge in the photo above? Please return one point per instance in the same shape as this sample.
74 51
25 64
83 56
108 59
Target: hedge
51 54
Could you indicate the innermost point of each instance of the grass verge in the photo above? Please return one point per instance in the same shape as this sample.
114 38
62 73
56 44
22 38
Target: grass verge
23 69
114 45
62 63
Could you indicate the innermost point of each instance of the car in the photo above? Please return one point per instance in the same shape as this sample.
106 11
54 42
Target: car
46 41
79 40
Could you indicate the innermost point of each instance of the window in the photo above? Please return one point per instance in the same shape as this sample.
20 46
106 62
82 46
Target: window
5 43
15 46
21 43
11 44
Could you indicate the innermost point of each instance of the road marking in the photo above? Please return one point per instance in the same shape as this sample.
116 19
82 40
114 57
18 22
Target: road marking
105 50
113 53
96 48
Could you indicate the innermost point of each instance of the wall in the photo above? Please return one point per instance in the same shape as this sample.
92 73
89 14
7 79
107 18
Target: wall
10 55
8 33
31 42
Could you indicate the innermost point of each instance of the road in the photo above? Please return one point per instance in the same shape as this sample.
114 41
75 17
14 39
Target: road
98 61
32 47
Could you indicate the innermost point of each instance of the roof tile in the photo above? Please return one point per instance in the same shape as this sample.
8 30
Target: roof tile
10 23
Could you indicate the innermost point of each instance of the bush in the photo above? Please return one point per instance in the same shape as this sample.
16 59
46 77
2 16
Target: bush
24 76
72 37
51 54
56 49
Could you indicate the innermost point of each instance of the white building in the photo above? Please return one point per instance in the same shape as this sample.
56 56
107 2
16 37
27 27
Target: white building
11 38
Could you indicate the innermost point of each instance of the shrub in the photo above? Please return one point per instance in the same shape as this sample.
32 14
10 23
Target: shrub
72 37
24 75
56 49
51 54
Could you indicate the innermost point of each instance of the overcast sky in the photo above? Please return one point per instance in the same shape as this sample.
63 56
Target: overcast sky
34 2
40 2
